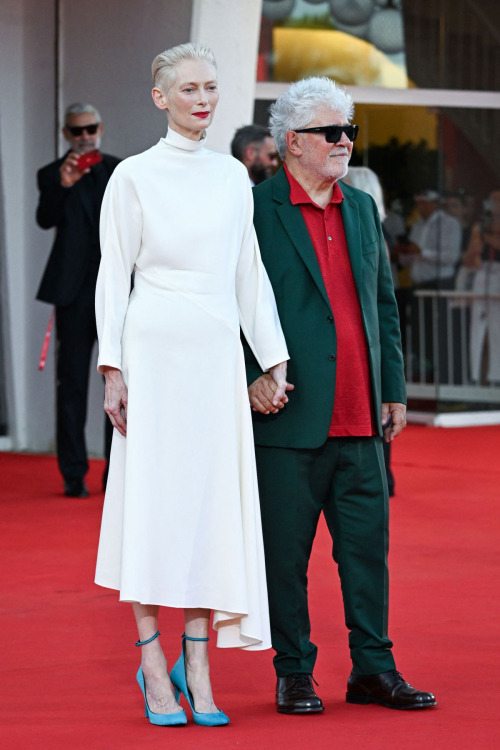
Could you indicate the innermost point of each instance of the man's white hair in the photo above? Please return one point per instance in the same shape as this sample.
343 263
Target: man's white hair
81 109
297 107
164 64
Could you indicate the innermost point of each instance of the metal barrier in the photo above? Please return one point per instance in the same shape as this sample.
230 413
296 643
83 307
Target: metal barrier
438 348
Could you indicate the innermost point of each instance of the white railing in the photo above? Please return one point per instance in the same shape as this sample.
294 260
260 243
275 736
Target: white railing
438 348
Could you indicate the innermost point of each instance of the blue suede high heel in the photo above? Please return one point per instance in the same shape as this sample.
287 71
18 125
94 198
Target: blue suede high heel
161 720
179 681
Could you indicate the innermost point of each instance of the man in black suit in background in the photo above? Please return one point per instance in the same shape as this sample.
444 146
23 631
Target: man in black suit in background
254 146
70 201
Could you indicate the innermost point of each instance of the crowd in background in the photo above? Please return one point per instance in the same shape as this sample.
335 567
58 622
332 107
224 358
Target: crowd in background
449 247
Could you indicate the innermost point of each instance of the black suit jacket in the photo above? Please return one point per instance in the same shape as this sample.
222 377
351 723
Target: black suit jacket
72 212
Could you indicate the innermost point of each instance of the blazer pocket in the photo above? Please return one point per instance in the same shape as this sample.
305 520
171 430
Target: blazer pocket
371 247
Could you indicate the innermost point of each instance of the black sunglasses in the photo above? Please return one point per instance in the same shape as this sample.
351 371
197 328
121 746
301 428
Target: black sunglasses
77 130
333 133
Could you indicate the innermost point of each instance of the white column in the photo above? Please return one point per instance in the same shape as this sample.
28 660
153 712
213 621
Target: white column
231 28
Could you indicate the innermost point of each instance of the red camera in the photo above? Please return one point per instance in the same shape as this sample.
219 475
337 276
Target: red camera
88 160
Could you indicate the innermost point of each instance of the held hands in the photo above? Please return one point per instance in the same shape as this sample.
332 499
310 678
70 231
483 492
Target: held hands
116 400
69 170
267 394
398 420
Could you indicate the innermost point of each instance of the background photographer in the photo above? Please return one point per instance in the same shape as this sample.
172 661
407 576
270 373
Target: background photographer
70 200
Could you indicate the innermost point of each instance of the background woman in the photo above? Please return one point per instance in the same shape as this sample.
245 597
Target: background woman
181 523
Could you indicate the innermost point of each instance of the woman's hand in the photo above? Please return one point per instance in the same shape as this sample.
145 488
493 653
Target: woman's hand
116 399
278 374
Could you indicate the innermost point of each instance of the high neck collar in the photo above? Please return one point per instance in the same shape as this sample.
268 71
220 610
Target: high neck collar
184 144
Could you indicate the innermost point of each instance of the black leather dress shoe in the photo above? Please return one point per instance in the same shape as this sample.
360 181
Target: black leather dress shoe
295 695
76 488
389 689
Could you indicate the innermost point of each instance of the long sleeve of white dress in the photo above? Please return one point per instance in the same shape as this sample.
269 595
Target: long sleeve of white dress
120 234
256 303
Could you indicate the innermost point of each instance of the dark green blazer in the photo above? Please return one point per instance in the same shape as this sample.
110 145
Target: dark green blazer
307 318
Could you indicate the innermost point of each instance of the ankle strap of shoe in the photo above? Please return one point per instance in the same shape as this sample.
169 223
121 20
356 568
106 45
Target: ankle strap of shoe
143 643
188 638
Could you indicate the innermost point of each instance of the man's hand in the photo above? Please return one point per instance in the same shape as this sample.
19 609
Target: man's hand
69 170
116 399
264 393
398 420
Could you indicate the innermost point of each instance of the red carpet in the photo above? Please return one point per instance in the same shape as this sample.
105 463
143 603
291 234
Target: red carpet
68 660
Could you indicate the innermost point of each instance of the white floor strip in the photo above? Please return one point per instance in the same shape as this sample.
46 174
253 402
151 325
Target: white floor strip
455 419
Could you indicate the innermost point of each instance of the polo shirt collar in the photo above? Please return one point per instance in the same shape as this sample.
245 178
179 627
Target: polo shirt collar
298 194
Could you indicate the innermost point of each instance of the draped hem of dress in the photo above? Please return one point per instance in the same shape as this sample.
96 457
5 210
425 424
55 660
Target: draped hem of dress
181 522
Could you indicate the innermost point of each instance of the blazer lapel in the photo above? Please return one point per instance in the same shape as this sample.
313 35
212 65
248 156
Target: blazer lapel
293 222
350 217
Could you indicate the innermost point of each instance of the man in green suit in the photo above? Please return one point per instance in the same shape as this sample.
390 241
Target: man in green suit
321 450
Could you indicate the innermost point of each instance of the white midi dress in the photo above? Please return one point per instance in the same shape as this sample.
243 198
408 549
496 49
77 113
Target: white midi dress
181 521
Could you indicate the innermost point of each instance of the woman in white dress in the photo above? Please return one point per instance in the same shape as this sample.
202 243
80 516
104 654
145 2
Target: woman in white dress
181 521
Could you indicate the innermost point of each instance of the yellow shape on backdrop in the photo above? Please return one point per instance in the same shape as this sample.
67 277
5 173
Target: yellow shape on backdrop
299 53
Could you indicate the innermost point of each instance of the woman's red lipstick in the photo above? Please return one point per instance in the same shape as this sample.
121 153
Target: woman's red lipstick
202 115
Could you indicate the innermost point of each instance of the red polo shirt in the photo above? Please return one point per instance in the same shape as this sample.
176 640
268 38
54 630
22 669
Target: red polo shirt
352 411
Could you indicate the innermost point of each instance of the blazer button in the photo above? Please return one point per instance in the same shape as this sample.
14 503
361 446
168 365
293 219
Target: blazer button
332 357
330 319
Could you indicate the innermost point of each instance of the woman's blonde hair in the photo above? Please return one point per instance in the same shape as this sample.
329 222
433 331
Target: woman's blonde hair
163 67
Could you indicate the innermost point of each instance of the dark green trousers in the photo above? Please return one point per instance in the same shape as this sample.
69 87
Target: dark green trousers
345 479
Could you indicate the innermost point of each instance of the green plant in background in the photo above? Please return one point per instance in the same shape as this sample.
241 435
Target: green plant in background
403 169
